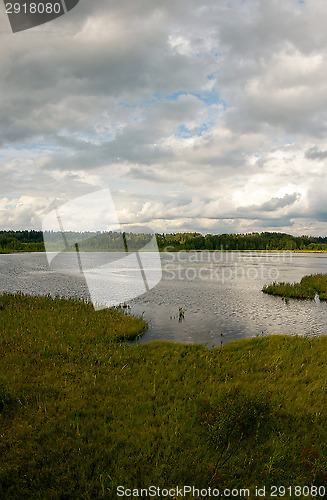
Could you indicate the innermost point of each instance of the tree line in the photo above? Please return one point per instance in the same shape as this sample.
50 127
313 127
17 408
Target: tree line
33 241
250 241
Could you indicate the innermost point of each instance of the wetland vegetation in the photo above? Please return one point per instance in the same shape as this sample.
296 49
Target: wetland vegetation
82 411
310 287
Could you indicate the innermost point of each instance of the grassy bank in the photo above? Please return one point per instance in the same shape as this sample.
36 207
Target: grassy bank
83 412
308 287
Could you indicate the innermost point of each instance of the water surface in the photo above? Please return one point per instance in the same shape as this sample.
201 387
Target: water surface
219 291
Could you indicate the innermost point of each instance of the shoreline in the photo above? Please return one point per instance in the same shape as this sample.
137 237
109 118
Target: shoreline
174 251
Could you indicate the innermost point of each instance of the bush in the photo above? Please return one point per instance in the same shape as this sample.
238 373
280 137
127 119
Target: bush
234 417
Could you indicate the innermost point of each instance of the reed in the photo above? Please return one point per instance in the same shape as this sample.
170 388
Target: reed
310 287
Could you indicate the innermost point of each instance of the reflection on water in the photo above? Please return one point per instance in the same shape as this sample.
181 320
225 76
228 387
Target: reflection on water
220 293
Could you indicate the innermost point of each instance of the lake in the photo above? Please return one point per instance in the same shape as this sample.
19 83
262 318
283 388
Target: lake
219 291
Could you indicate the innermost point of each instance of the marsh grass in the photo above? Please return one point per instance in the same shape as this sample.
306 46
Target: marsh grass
308 287
82 412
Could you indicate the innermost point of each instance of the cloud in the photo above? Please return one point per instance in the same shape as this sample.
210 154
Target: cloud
208 117
315 154
273 204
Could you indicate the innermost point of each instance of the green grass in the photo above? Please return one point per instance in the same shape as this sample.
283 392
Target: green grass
308 287
82 412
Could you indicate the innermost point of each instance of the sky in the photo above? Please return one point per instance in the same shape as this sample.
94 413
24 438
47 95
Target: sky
206 115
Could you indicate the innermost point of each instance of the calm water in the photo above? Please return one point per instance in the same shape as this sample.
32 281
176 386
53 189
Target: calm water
220 293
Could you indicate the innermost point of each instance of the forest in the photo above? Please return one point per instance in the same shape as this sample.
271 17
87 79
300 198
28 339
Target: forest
33 241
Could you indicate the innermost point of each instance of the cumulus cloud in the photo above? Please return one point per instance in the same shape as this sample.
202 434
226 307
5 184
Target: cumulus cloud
208 117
